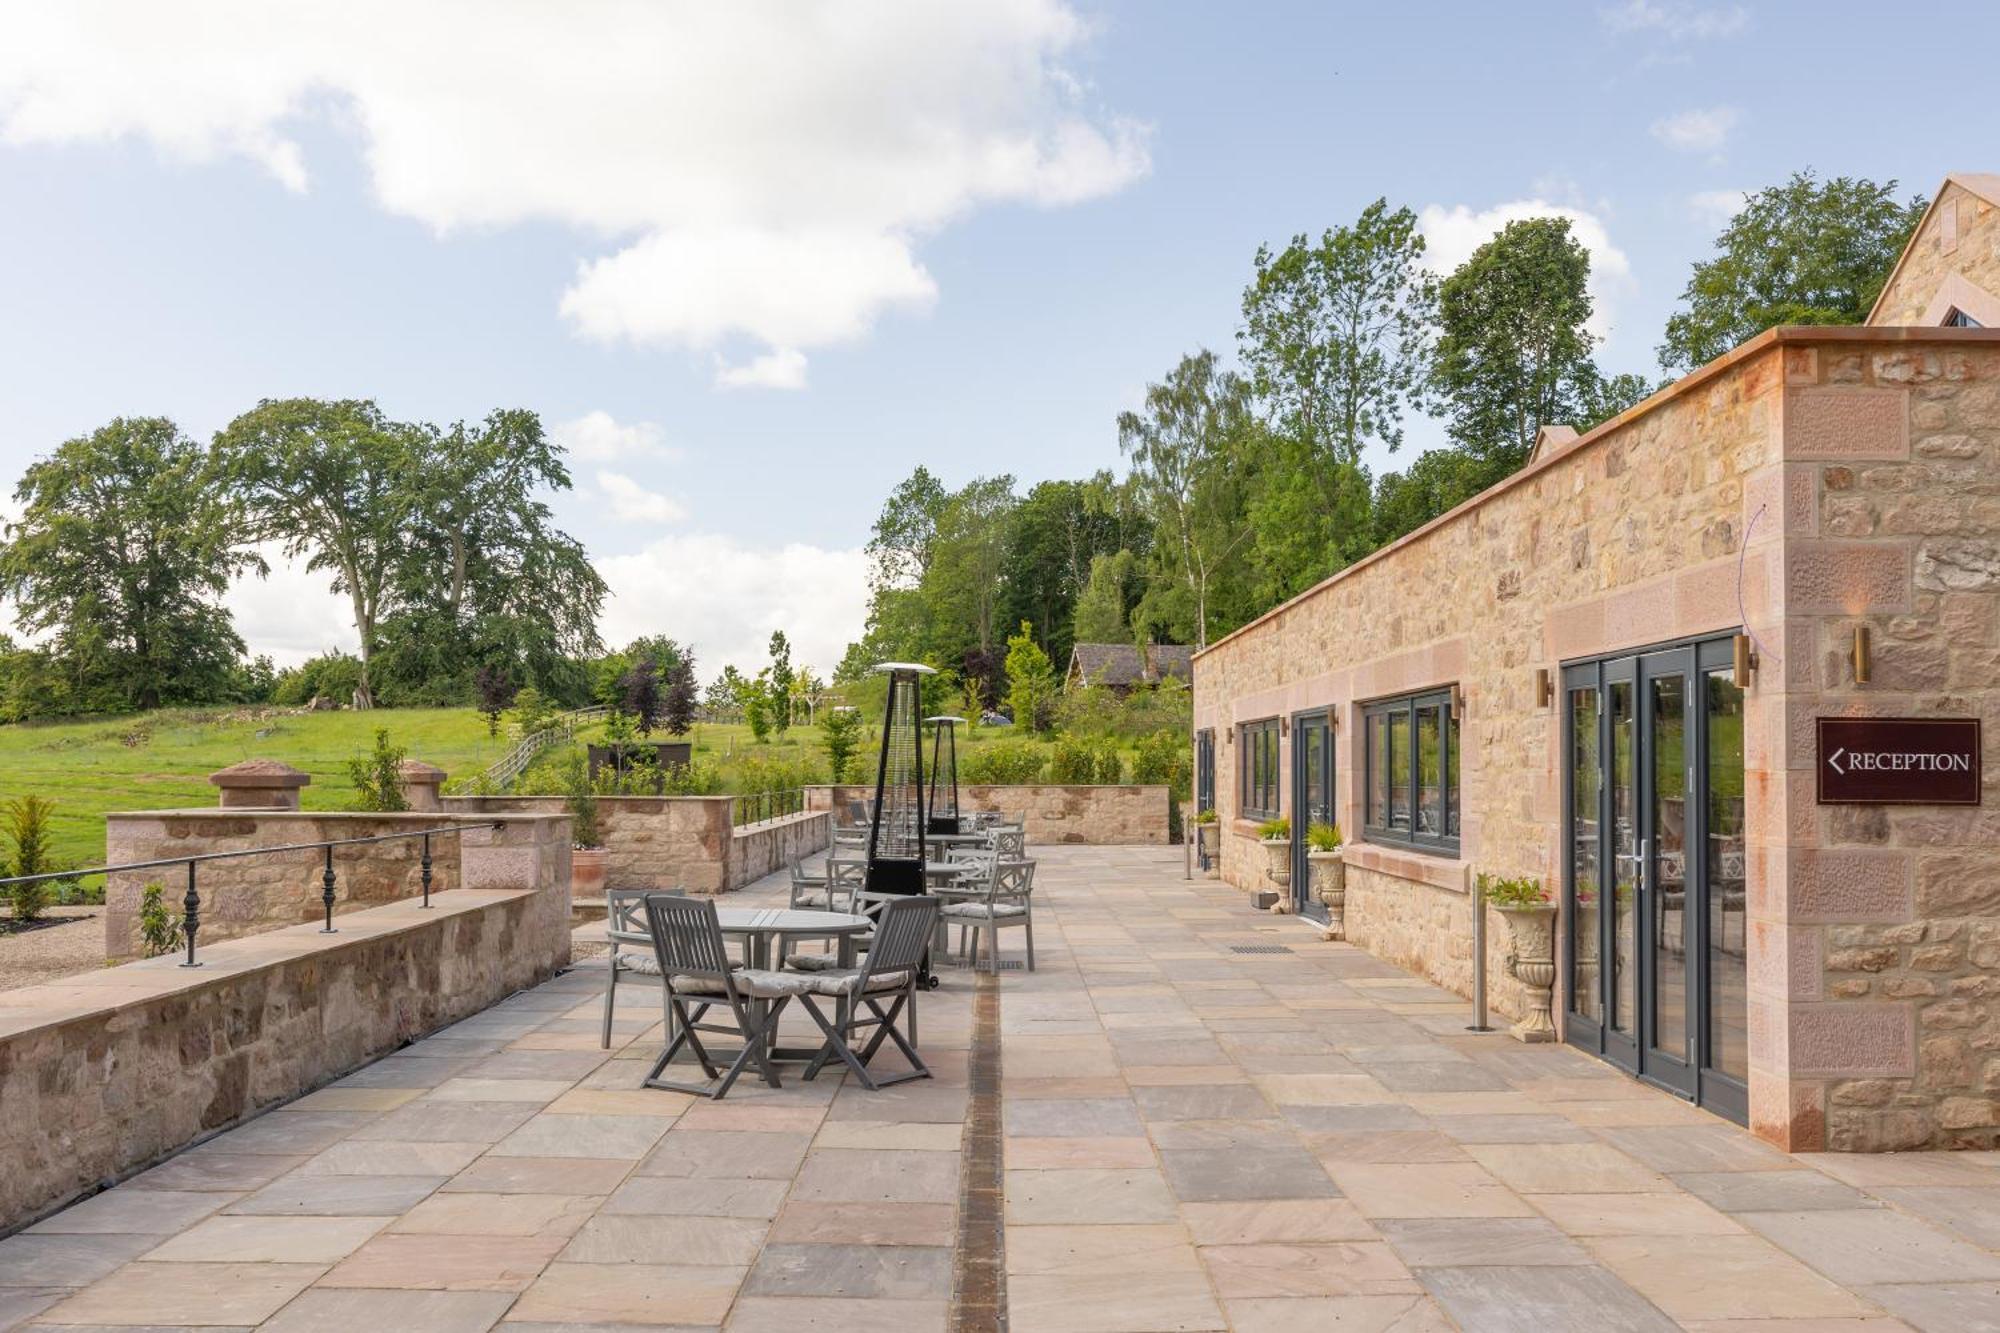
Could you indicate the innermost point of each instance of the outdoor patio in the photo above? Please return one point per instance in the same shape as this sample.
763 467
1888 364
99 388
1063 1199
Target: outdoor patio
1211 1120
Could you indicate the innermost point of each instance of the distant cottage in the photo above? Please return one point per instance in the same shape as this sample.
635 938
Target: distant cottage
1122 667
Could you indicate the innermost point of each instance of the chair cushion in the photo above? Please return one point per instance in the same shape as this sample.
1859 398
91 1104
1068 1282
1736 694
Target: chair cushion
982 911
814 962
812 898
841 984
758 983
644 963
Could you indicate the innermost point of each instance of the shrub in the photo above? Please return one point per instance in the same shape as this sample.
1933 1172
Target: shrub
1031 681
1208 816
159 928
1001 763
840 734
377 784
1521 891
581 800
1085 760
1280 827
1322 837
1163 758
531 710
28 820
336 675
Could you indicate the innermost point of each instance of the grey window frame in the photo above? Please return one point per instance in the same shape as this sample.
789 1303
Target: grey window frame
1450 812
1249 735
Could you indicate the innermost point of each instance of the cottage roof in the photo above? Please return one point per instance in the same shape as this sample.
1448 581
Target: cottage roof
1121 664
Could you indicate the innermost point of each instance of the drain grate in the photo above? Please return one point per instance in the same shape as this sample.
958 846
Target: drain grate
1260 948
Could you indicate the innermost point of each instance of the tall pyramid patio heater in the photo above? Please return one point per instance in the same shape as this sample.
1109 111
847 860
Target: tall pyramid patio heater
896 839
942 806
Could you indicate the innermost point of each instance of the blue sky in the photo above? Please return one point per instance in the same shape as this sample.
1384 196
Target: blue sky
958 236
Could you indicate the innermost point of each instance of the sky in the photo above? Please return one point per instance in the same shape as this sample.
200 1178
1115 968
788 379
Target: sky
754 262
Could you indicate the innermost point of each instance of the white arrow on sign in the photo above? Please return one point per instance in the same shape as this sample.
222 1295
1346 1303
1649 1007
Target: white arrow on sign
1833 760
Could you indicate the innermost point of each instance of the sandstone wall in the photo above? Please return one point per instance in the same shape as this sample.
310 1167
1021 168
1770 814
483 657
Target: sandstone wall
252 894
1106 815
104 1073
1954 260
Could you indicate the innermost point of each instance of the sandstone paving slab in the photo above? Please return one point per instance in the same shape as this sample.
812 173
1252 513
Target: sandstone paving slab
1511 1128
408 1072
595 1136
1565 1168
1273 1221
137 1211
1134 1249
383 1157
1448 1189
1087 1195
1386 1145
434 1121
1047 1153
287 1132
1871 1171
337 1196
845 1224
727 1154
325 1310
823 1314
539 1175
1770 1191
1723 1277
1111 1303
282 1240
169 1294
919 1136
1453 1242
1635 1215
637 1238
1346 1268
844 1175
208 1173
901 1272
499 1214
18 1305
1542 1300
1859 1246
538 1091
1711 1148
637 1294
1198 1175
1974 1214
694 1197
620 1101
67 1261
446 1263
1941 1307
1110 1117
1314 1314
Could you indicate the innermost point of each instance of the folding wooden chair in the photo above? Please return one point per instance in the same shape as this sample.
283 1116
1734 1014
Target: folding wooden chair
625 930
902 937
696 970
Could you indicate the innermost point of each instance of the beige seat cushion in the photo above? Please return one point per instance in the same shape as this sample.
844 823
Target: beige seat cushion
841 984
983 911
630 960
757 983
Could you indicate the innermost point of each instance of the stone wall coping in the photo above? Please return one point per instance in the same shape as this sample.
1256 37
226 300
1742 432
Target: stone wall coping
260 773
427 818
114 989
1785 335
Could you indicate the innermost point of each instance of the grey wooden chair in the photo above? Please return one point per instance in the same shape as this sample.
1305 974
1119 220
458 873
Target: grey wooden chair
809 890
1008 841
891 975
696 971
1008 902
631 950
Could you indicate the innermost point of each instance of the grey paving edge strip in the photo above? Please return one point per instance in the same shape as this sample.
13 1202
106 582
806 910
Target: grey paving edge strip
979 1260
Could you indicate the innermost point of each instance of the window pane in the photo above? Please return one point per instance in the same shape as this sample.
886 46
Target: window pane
1430 769
1728 990
1452 783
1398 771
1378 770
1586 776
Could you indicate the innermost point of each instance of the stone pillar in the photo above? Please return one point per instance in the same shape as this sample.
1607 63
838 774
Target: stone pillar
420 782
260 784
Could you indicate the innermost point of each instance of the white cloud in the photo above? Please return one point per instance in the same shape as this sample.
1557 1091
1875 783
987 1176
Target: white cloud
632 503
1680 22
728 597
599 437
292 615
1714 208
758 174
782 369
1452 234
1703 130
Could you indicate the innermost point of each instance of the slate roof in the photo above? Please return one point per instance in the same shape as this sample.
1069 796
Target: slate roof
1119 664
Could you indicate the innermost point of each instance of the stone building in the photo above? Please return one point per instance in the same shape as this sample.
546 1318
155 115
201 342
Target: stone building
1624 671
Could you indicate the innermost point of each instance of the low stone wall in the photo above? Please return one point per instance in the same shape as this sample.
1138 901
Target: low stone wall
105 1073
244 897
1103 816
673 842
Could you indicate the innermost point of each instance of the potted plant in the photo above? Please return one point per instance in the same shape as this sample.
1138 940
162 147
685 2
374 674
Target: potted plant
586 874
1329 872
1208 830
1276 835
1524 903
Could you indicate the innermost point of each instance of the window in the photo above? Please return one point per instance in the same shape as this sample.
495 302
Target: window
1958 319
1258 761
1410 748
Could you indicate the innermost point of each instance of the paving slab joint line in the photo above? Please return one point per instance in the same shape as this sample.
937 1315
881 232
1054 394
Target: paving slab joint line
979 1268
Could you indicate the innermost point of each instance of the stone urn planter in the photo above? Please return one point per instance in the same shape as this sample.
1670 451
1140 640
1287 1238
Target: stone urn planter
586 872
1278 860
1210 837
1329 887
1531 960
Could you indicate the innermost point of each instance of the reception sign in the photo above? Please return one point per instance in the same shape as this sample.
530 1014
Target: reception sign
1899 761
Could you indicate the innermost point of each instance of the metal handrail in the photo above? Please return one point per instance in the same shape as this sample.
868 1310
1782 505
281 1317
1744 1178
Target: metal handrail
191 903
776 804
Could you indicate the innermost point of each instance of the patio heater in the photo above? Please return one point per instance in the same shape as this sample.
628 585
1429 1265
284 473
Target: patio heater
896 839
942 806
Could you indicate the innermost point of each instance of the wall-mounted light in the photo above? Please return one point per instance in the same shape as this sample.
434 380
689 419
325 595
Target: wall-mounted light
1545 688
1284 726
1457 700
1743 660
1864 662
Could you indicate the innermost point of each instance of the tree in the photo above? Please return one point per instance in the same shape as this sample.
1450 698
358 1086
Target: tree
323 479
906 532
642 696
1031 681
755 702
678 711
125 546
1512 351
840 735
1054 533
1804 252
1101 609
967 574
496 693
779 692
726 693
1181 448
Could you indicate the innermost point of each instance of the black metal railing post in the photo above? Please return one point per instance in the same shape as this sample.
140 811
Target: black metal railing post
190 916
326 891
427 870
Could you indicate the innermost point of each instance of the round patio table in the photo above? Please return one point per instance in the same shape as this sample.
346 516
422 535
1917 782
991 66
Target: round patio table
761 927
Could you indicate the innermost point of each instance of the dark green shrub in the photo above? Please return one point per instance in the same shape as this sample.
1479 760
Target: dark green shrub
377 784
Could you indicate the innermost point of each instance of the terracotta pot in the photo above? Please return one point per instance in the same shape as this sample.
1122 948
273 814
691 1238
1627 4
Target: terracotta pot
1329 885
1531 961
1278 854
586 872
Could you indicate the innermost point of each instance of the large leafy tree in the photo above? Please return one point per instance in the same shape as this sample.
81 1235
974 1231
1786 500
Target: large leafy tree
968 572
1057 531
1183 446
1103 606
126 543
1804 252
780 682
326 480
